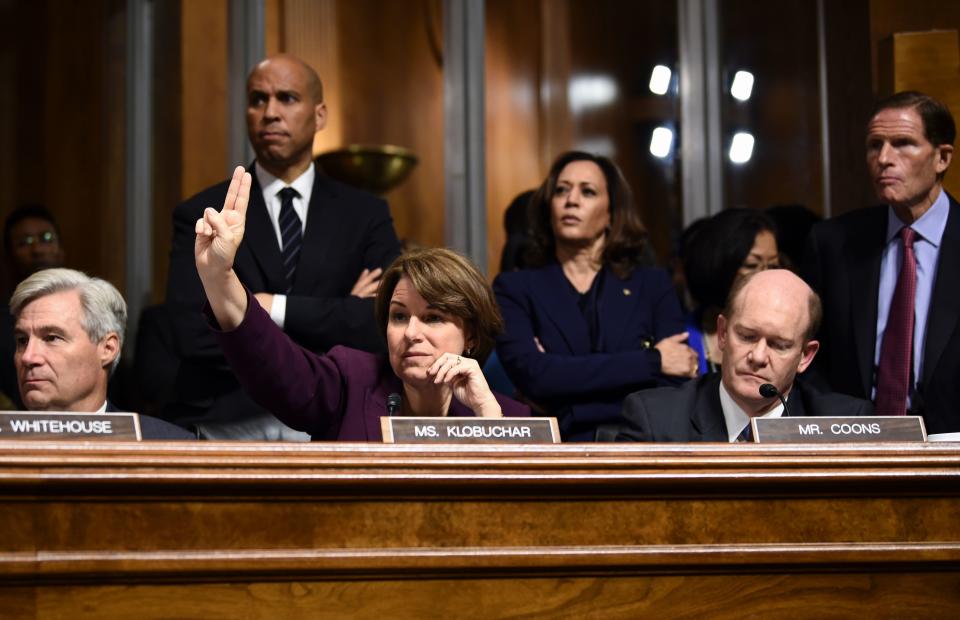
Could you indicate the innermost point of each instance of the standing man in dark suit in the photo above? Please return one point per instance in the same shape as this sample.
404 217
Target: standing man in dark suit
889 275
312 256
765 335
68 335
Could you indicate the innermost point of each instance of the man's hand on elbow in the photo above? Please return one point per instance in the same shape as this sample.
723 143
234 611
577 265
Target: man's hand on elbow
367 283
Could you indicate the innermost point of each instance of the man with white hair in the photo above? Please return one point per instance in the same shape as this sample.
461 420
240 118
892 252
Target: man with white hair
68 336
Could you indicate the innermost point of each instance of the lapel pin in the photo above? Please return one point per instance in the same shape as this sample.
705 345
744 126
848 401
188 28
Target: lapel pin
626 291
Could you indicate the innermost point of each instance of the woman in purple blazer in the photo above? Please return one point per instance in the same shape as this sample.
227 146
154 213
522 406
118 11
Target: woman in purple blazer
435 309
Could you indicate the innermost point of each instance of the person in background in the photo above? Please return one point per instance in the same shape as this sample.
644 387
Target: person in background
888 275
585 323
31 238
434 309
312 256
793 223
68 335
31 241
766 336
728 246
516 224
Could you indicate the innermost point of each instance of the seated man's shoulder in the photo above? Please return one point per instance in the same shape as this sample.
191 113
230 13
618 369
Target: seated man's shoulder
156 429
656 398
825 403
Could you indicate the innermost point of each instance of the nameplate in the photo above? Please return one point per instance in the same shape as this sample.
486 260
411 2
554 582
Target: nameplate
834 429
469 430
63 425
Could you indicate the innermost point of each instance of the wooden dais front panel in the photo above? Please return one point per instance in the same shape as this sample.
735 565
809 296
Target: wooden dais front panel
253 530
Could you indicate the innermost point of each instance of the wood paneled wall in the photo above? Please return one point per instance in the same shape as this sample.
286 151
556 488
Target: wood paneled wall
916 47
382 85
190 113
514 74
62 136
62 102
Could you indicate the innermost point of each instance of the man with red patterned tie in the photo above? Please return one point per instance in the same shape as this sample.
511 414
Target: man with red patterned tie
889 276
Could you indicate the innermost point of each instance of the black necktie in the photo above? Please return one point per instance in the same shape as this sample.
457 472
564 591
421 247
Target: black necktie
291 235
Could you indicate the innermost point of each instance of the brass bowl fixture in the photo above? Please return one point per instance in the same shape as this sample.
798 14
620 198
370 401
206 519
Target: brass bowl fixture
377 169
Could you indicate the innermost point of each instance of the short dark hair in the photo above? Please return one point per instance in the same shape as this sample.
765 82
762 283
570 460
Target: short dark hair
814 308
938 125
451 283
627 236
36 211
715 251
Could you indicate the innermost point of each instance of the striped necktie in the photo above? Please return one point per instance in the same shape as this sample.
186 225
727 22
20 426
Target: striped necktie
291 234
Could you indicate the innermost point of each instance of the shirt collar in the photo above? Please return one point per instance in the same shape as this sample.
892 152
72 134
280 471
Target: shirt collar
271 185
103 408
736 418
931 224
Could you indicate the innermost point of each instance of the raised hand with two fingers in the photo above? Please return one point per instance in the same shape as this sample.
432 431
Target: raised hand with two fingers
219 233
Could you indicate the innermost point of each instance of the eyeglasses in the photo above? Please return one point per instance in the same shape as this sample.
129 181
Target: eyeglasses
47 237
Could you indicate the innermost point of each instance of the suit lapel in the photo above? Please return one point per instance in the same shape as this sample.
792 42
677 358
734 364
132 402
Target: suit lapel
796 407
261 240
616 307
708 421
554 292
945 300
321 239
863 262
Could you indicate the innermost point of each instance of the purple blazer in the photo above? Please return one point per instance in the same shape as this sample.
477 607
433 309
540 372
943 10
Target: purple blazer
337 396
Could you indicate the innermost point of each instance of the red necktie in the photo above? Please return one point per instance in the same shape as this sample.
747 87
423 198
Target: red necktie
893 376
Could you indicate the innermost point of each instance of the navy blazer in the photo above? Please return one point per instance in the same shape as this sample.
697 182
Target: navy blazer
156 429
842 263
337 396
583 388
694 413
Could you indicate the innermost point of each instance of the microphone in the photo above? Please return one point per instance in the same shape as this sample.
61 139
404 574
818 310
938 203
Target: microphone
769 390
393 404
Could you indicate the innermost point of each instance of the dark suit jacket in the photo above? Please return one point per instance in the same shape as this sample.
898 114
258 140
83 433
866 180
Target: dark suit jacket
693 412
347 231
582 388
337 396
156 429
842 263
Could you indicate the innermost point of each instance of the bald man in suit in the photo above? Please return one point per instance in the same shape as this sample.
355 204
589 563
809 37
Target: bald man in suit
312 256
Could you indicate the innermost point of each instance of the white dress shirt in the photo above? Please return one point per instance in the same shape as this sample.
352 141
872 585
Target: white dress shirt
271 186
736 418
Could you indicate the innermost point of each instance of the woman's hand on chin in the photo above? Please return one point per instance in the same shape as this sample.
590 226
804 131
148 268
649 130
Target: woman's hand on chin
465 378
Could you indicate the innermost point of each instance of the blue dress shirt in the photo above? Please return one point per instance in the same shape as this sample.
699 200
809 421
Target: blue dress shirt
926 247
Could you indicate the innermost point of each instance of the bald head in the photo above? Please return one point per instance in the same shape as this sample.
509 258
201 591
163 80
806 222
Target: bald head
766 336
781 290
289 62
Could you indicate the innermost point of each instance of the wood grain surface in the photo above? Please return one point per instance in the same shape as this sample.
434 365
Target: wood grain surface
248 530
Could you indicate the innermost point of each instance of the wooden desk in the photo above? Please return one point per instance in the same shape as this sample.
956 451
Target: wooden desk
252 530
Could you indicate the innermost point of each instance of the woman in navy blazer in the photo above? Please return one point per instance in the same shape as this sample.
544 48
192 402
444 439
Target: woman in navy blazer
434 307
588 325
